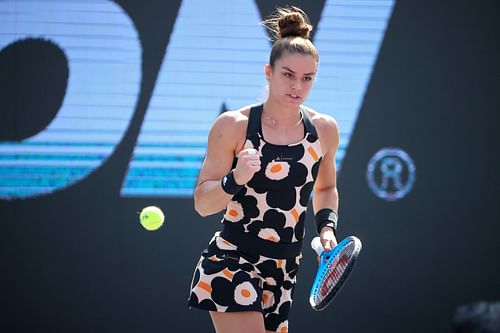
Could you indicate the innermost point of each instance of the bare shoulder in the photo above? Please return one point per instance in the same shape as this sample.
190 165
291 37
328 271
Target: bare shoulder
232 118
326 126
230 128
237 117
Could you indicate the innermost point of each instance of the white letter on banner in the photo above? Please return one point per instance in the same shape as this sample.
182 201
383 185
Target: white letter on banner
348 40
215 56
104 59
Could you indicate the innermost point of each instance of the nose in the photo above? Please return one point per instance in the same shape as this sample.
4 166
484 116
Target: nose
297 85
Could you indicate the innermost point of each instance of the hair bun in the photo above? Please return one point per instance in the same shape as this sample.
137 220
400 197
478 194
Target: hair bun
289 21
293 24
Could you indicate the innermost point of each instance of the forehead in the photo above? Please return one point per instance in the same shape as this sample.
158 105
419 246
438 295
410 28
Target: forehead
299 63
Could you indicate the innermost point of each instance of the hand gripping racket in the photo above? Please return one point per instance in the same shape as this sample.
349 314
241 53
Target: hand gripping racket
334 269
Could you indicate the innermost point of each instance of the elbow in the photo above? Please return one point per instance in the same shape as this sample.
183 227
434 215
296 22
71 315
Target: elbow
206 204
199 207
200 210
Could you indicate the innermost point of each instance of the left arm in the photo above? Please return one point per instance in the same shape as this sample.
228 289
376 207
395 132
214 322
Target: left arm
325 188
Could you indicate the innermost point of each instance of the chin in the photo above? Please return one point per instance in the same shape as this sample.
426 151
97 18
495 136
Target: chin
294 102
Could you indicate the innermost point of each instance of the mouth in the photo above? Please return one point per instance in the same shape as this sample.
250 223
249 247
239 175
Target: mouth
294 97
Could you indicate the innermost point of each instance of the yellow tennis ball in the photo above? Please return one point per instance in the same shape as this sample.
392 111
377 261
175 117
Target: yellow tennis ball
151 218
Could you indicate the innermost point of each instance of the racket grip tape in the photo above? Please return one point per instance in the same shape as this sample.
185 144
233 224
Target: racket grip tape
316 246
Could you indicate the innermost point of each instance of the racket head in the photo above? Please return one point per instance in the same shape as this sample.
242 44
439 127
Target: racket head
333 271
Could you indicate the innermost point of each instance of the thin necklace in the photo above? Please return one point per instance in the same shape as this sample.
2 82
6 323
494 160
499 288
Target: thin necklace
276 123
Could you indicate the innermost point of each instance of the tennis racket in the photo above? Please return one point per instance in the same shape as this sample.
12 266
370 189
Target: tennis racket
334 268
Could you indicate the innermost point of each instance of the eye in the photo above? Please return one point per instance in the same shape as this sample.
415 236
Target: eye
307 78
288 75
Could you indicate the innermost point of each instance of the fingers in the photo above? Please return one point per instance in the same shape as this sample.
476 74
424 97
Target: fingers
248 164
328 239
252 162
250 158
330 243
248 151
327 245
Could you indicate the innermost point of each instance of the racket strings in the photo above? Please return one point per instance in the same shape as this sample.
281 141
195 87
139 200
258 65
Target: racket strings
333 273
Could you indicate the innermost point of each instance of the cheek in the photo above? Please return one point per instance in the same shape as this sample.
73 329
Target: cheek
278 84
306 86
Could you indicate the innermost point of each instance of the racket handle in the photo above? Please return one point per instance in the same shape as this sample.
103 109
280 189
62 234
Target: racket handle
316 246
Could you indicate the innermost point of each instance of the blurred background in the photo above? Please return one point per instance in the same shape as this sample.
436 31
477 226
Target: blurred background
106 106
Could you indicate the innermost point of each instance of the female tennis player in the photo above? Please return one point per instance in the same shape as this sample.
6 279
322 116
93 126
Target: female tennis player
262 163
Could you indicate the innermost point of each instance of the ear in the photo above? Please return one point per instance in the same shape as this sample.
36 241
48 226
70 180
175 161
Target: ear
268 70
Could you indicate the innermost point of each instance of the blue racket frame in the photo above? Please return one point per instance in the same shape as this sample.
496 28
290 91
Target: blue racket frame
326 259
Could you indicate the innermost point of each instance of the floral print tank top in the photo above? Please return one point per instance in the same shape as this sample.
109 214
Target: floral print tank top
271 208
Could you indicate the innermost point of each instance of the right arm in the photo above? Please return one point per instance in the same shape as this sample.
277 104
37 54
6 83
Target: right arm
226 138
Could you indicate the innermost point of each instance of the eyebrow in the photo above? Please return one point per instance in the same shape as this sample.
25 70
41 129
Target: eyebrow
290 70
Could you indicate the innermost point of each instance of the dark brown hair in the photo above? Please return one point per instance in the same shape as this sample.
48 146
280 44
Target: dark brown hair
290 29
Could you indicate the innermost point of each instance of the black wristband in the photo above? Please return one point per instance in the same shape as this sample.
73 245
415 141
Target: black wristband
326 217
229 184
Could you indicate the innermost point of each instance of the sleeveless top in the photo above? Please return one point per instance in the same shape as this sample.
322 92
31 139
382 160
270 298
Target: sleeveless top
268 215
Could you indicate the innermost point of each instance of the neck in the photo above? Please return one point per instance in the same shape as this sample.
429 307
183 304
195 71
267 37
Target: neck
278 116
